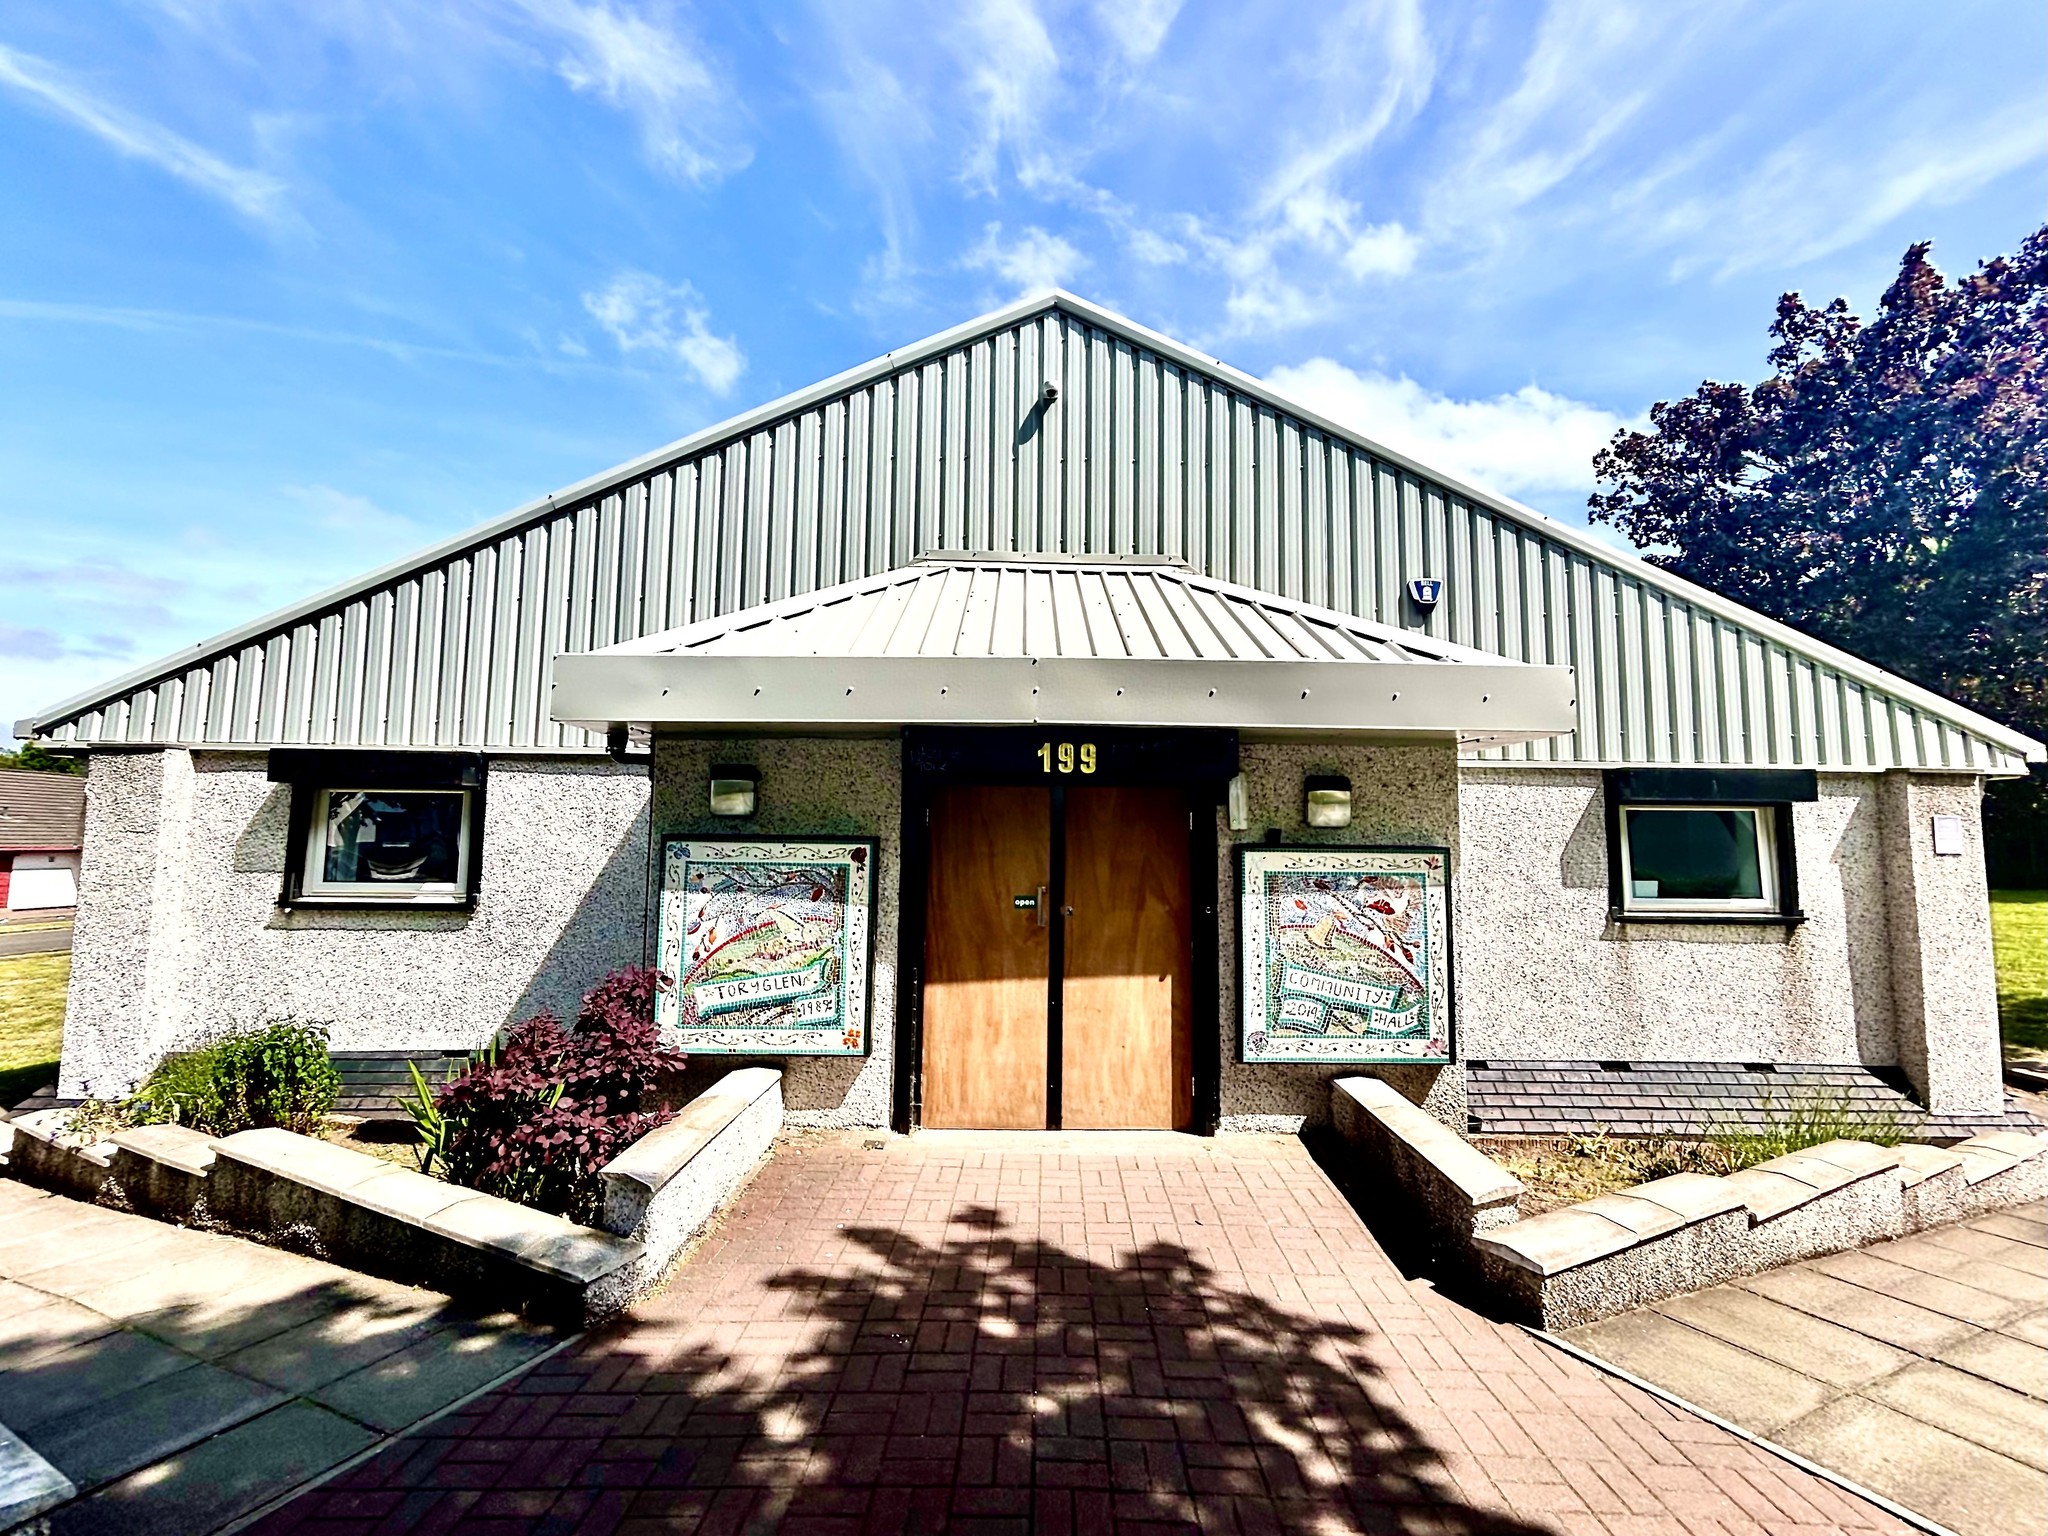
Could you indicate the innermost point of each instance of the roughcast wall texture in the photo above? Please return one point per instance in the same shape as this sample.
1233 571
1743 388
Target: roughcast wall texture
1401 794
1543 974
179 935
810 787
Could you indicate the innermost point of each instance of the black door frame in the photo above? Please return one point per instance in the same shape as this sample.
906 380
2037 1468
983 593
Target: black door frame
1198 762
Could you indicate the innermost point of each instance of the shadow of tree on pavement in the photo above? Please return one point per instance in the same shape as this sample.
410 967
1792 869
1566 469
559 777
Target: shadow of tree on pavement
979 1382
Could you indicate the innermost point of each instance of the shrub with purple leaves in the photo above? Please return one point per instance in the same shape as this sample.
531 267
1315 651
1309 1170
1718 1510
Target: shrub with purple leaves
543 1108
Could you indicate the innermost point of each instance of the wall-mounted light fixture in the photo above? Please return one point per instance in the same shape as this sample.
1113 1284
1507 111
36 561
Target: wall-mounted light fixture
1326 800
734 788
1239 804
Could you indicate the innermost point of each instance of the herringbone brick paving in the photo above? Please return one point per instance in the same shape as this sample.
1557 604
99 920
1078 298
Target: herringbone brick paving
1130 1334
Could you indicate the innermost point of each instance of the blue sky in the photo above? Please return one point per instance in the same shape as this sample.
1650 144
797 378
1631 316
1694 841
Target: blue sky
287 291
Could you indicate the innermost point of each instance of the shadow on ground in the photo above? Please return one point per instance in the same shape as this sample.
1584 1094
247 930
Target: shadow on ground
982 1382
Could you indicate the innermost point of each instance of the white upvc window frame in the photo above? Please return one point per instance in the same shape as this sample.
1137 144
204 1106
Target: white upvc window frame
314 887
1766 905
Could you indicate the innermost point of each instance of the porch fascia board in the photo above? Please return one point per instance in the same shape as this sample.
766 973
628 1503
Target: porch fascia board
1478 704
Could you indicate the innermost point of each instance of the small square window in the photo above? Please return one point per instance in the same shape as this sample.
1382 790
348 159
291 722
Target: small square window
1698 858
393 845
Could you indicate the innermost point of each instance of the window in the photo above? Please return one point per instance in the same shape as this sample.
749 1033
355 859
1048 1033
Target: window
1704 845
1698 858
381 829
388 844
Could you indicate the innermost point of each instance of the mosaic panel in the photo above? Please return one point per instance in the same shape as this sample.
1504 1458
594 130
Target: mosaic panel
768 941
1346 954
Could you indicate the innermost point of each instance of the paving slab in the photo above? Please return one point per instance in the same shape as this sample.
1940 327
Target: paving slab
2020 1225
219 1479
1839 1356
70 1379
2008 1361
1932 1384
1969 1489
112 1437
1980 1411
1915 1329
433 1370
166 1373
1720 1377
1937 1293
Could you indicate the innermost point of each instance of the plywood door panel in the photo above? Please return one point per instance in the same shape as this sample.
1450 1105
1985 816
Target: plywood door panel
1126 1011
988 964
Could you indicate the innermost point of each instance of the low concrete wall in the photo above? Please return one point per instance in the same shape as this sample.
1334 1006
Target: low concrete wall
369 1214
661 1190
1451 1188
1676 1234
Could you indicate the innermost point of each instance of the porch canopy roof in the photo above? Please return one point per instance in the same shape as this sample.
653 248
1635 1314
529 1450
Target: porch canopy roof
960 639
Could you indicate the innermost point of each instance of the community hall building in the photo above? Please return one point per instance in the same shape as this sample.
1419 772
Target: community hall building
1046 725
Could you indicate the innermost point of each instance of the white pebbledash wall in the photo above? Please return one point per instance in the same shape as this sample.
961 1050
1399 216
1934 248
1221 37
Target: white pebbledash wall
1891 967
179 935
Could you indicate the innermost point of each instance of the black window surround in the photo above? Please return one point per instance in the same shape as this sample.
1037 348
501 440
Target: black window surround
1773 791
310 770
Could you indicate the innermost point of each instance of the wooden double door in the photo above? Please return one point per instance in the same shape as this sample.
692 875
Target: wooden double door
1058 962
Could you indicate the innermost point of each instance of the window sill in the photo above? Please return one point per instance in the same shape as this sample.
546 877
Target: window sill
1713 919
377 903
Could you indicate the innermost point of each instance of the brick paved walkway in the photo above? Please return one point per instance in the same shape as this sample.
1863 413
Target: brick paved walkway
1127 1334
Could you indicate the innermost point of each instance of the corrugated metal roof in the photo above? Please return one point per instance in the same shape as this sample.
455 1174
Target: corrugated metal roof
1000 640
999 605
1150 449
41 809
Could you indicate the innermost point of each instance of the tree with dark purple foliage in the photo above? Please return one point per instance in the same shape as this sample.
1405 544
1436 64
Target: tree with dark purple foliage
1886 489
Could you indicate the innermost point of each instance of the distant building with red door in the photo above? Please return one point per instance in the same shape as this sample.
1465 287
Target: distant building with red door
42 828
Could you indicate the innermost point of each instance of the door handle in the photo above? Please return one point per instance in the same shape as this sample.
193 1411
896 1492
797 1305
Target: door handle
1043 894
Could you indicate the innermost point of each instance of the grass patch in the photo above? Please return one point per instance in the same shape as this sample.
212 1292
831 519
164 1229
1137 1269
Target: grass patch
31 1022
2019 938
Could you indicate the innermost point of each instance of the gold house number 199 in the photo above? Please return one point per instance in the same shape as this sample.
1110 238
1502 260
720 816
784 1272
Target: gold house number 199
1065 756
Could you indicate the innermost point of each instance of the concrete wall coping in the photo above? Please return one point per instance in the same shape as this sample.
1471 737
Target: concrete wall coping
663 1153
1559 1240
538 1240
53 1128
1474 1175
1919 1162
1996 1152
175 1146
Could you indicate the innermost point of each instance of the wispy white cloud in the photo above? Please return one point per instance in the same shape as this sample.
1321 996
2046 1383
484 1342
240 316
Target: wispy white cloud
1529 443
1137 26
1031 263
644 314
19 643
655 70
367 525
1806 199
1010 68
255 194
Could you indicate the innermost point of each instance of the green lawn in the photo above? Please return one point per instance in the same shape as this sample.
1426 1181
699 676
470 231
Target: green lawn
31 1022
2019 935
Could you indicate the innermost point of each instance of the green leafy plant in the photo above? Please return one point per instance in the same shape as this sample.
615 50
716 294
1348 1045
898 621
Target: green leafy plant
276 1074
1807 1122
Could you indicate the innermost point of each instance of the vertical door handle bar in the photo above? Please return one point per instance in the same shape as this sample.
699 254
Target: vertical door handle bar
1044 895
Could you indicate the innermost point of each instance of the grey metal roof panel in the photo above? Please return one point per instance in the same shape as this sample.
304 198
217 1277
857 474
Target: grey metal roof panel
1152 449
1117 610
